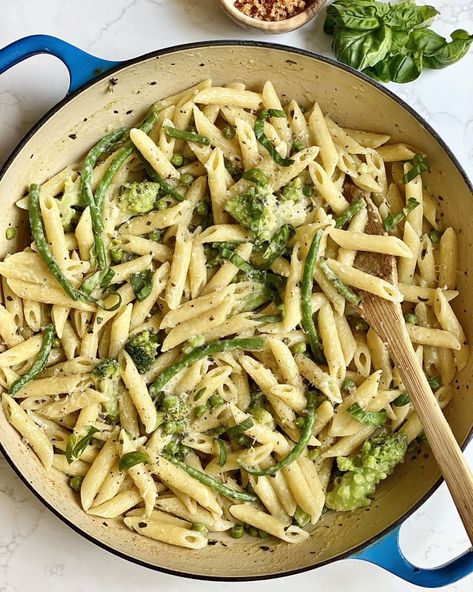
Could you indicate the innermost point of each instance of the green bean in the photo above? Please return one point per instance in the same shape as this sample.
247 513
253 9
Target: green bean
306 298
37 231
87 194
337 283
120 159
201 352
298 449
211 482
39 364
348 214
166 187
174 132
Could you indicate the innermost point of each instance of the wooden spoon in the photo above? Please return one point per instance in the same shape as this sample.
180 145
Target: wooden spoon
386 318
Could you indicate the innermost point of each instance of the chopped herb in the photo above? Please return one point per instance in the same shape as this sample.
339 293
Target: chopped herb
375 418
392 221
263 138
419 166
75 447
130 459
402 400
141 282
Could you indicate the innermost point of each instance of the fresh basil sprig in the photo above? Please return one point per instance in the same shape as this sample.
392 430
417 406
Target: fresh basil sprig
375 418
391 42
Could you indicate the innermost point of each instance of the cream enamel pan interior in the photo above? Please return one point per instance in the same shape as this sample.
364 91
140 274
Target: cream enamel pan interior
70 129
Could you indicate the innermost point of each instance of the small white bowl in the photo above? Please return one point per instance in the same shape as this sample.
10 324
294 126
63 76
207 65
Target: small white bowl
272 27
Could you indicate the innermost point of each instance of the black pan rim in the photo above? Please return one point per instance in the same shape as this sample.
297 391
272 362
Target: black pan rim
200 45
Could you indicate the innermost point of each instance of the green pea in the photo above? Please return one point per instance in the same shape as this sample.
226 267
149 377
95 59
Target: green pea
301 517
299 348
170 402
410 318
229 132
177 159
172 447
196 340
75 483
215 401
252 531
186 179
202 208
237 531
200 527
348 385
10 233
116 255
200 411
435 236
313 454
297 146
170 427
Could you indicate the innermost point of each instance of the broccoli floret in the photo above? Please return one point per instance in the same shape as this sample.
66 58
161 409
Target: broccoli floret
107 378
293 190
263 213
376 460
139 198
143 349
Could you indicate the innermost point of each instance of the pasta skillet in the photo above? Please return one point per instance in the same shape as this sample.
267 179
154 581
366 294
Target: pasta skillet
209 371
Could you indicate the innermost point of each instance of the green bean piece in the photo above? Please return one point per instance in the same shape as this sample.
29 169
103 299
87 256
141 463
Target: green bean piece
297 146
37 231
250 343
200 393
120 159
39 364
348 214
392 221
166 187
10 233
306 298
174 132
238 429
238 531
419 166
263 138
211 482
87 194
75 447
337 283
298 449
256 176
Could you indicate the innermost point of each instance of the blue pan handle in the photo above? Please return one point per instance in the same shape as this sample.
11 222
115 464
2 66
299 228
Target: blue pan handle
82 66
386 553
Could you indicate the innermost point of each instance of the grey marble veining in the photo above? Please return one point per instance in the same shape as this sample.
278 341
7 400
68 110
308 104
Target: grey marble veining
37 551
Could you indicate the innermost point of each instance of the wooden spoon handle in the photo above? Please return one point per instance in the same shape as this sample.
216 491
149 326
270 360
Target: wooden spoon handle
445 448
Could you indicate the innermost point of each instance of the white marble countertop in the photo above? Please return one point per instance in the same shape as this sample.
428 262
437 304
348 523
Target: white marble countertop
37 551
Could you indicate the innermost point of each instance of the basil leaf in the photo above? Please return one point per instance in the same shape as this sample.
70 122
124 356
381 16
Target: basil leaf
400 68
75 447
419 166
375 418
360 15
222 455
141 282
426 41
246 424
450 52
130 459
362 50
402 400
408 16
392 221
256 176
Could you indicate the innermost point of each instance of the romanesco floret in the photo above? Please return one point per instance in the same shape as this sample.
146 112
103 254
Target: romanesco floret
376 460
143 348
139 198
263 213
107 378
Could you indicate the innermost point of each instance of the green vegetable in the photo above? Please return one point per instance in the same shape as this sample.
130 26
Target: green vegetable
120 159
434 382
107 380
215 401
166 187
131 459
392 221
76 446
269 318
251 343
299 348
229 132
142 283
306 298
391 42
292 191
277 245
301 518
262 534
174 132
142 348
37 232
410 318
435 236
177 159
263 213
297 146
256 176
200 527
402 400
211 481
222 455
377 459
337 283
238 429
75 483
374 418
196 340
253 531
238 531
314 454
348 214
200 411
298 448
199 394
419 165
186 179
39 364
264 140
348 385
102 278
139 197
87 195
10 233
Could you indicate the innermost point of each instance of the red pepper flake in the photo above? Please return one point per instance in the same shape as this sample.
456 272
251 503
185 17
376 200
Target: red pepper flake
271 10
